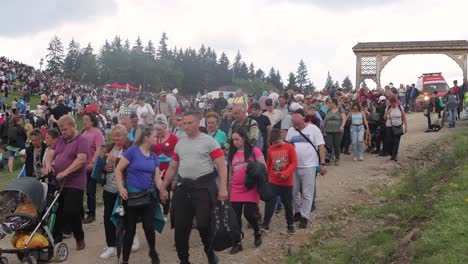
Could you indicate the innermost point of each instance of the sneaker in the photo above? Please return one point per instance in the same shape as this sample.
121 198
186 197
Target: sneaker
279 208
236 249
67 235
291 230
355 159
109 252
135 244
89 219
361 158
303 223
297 217
258 239
264 228
337 162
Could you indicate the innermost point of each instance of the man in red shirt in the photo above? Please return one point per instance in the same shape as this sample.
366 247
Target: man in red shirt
281 163
92 108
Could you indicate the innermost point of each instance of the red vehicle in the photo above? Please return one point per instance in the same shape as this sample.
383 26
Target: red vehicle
427 84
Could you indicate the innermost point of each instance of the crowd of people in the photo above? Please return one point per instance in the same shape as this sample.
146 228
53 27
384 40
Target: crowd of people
172 157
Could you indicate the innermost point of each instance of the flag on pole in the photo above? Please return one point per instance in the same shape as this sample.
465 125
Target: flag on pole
128 88
328 82
139 88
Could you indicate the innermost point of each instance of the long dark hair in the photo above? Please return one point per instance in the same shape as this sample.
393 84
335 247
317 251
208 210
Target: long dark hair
248 149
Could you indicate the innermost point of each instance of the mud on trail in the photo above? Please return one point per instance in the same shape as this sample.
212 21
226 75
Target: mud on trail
345 186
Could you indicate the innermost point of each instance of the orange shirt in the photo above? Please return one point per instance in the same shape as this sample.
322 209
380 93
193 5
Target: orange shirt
282 160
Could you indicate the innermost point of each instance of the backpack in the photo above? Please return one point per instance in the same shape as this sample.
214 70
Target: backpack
224 227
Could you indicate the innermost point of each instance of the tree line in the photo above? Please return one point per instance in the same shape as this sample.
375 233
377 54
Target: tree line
161 68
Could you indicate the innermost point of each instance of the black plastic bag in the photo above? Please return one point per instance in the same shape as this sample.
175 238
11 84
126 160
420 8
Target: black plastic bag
224 227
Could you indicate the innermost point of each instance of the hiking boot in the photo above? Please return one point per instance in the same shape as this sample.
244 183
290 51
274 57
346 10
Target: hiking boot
80 244
236 249
264 228
303 223
297 217
154 257
89 219
258 239
109 252
291 230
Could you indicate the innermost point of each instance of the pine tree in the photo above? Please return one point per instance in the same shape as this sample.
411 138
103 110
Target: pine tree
260 74
72 61
301 75
55 57
347 85
88 69
138 47
150 50
162 52
291 81
251 71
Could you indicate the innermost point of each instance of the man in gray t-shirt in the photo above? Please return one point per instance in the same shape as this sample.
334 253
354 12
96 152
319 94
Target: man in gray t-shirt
195 159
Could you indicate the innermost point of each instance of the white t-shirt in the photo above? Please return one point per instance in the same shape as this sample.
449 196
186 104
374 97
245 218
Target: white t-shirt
148 110
306 154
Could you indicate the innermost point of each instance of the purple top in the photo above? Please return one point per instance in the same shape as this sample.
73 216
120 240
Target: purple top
66 152
95 139
141 168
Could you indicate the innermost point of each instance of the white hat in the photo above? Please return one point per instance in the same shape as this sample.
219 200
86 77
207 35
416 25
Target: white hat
294 107
382 98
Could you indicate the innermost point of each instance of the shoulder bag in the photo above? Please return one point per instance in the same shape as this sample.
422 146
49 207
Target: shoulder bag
315 148
142 198
397 130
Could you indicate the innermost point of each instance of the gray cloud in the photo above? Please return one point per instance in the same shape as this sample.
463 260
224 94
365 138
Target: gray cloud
31 16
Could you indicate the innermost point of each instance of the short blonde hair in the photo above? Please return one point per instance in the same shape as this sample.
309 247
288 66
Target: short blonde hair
119 129
66 119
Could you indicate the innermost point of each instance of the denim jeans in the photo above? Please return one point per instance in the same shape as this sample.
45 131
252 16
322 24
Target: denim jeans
452 115
357 139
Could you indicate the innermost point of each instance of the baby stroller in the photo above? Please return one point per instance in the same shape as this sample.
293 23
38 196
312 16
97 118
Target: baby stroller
28 210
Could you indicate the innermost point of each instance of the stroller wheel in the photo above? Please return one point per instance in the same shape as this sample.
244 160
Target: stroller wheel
60 252
3 260
30 260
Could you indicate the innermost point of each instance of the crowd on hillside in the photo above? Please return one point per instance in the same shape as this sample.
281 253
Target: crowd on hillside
193 151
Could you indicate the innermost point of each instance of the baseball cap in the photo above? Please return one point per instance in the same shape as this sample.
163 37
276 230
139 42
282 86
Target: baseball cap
382 98
294 107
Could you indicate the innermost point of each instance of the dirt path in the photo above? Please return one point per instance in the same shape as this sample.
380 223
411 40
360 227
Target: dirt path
351 183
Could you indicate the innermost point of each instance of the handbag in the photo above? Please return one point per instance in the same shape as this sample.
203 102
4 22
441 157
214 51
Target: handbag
142 198
139 199
397 130
224 227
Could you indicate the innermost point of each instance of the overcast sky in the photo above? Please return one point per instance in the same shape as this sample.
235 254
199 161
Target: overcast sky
267 32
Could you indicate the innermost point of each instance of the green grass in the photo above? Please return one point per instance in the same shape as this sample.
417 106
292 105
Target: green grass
445 236
439 212
35 99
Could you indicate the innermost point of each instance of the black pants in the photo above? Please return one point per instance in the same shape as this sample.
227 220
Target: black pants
286 194
132 215
109 227
167 206
250 213
393 142
346 140
68 213
91 195
187 205
387 140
